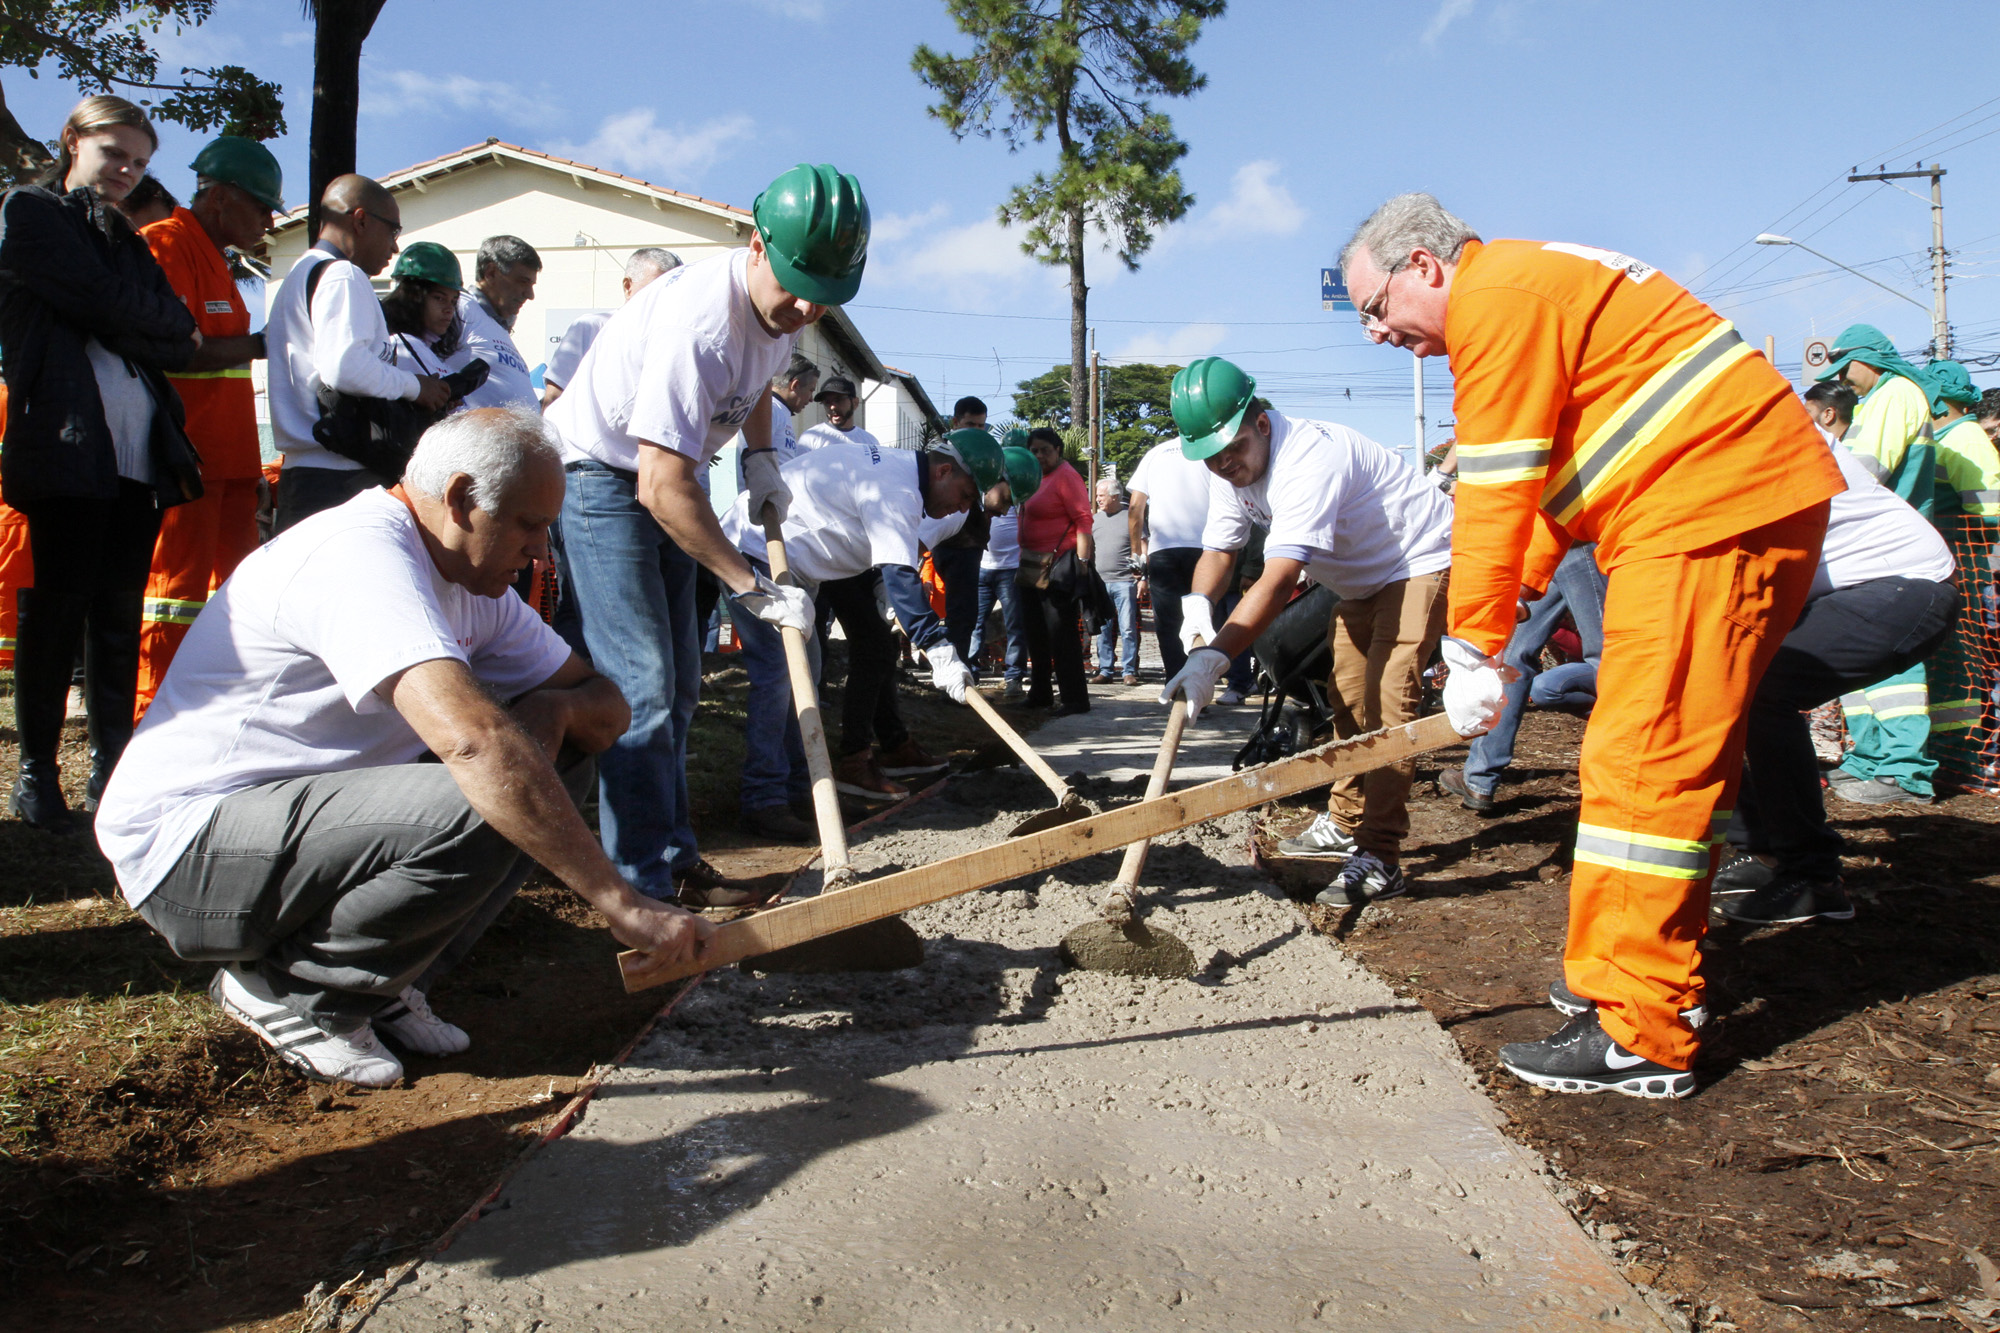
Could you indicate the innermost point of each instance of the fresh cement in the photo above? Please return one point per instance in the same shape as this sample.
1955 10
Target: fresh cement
991 1140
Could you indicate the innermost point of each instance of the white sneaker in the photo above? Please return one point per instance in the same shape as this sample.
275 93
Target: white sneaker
408 1018
1323 838
1229 695
352 1057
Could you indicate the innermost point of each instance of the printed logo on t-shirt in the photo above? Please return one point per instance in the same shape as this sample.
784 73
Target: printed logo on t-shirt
1634 269
220 308
1258 513
735 409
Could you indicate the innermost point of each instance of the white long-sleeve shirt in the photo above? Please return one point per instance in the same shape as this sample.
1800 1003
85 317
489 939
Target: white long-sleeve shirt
342 341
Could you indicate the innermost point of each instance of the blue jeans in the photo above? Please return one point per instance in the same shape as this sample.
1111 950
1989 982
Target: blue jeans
1577 587
1573 685
774 758
1125 596
635 592
999 584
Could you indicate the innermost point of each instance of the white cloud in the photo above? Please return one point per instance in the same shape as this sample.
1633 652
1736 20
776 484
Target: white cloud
809 11
1448 13
1258 204
893 228
1179 347
403 92
965 262
633 141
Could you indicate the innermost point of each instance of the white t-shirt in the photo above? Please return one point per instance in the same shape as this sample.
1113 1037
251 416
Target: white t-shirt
854 506
934 530
417 356
1003 542
1356 514
680 365
1176 490
576 340
1872 533
826 433
276 678
508 383
343 341
128 410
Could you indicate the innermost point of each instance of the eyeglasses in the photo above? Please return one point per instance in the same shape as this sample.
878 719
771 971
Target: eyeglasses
395 228
1371 318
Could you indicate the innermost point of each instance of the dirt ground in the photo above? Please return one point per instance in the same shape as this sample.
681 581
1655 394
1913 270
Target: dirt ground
1839 1167
159 1170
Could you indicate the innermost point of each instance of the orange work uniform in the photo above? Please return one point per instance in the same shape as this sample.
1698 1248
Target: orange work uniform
201 542
1598 401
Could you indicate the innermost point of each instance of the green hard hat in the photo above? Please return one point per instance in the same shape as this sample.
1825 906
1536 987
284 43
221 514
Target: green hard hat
246 164
1015 438
1209 399
814 222
430 262
979 453
1024 470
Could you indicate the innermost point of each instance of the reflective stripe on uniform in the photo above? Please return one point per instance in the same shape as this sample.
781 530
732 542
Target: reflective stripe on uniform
233 373
1718 827
1497 464
1642 853
1870 464
1855 705
1980 502
1639 422
1898 700
1955 714
171 610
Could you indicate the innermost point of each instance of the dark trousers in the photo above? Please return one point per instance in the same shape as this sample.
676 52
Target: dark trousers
91 562
1845 641
958 566
1171 574
331 893
868 709
1055 646
305 491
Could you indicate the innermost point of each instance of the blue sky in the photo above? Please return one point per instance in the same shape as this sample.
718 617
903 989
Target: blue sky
1673 133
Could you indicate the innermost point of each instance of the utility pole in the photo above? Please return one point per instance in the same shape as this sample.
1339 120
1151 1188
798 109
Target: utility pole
1096 439
1940 329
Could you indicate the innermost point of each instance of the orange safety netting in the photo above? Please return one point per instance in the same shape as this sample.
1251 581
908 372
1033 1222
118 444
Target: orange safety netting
1964 675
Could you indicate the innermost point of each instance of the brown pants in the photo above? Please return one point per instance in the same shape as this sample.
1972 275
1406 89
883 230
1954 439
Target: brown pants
1380 645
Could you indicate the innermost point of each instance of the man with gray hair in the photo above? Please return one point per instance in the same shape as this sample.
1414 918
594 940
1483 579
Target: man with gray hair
504 277
644 265
1598 401
274 813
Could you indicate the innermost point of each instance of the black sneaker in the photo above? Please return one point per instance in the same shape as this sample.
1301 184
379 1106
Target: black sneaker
1569 1004
1453 781
1742 873
1788 899
1581 1057
1363 880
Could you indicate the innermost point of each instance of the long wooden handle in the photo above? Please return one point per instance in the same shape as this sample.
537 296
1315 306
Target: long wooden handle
1048 775
811 918
1156 786
812 733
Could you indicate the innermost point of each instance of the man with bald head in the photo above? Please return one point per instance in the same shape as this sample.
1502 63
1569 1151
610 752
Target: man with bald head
326 328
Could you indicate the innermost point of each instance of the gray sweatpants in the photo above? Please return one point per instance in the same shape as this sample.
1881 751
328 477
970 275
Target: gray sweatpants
330 894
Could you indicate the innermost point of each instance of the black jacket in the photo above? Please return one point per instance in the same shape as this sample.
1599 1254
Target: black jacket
71 269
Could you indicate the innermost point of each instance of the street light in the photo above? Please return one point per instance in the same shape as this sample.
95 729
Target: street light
1768 239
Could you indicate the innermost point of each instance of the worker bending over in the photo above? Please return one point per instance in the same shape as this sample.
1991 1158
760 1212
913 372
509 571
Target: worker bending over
1345 512
1598 401
1966 509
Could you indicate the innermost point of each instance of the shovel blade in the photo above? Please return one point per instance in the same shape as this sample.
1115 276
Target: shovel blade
1072 809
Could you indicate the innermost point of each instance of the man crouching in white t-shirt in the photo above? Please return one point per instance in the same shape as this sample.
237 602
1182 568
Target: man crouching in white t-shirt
1347 513
272 813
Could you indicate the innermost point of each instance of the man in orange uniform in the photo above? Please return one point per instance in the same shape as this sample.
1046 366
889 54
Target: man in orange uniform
237 187
1598 401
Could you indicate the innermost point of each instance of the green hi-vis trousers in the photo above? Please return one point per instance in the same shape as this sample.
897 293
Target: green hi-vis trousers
1890 723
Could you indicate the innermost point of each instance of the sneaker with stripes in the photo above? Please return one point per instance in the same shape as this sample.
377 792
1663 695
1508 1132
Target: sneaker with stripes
409 1020
355 1057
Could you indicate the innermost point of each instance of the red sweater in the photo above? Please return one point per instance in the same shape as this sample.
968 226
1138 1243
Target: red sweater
1056 512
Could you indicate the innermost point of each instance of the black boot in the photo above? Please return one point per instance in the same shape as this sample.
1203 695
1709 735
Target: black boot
111 683
44 649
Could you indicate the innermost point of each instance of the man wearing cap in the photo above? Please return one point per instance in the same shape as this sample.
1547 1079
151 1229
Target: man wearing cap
677 372
1889 722
1597 400
237 187
854 508
1345 512
1966 510
837 395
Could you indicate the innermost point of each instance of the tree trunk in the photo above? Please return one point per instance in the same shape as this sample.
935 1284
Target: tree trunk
1079 326
339 29
22 156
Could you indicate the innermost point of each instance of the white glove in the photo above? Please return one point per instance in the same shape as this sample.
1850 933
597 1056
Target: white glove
1475 689
1205 666
765 484
787 608
1197 621
947 672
